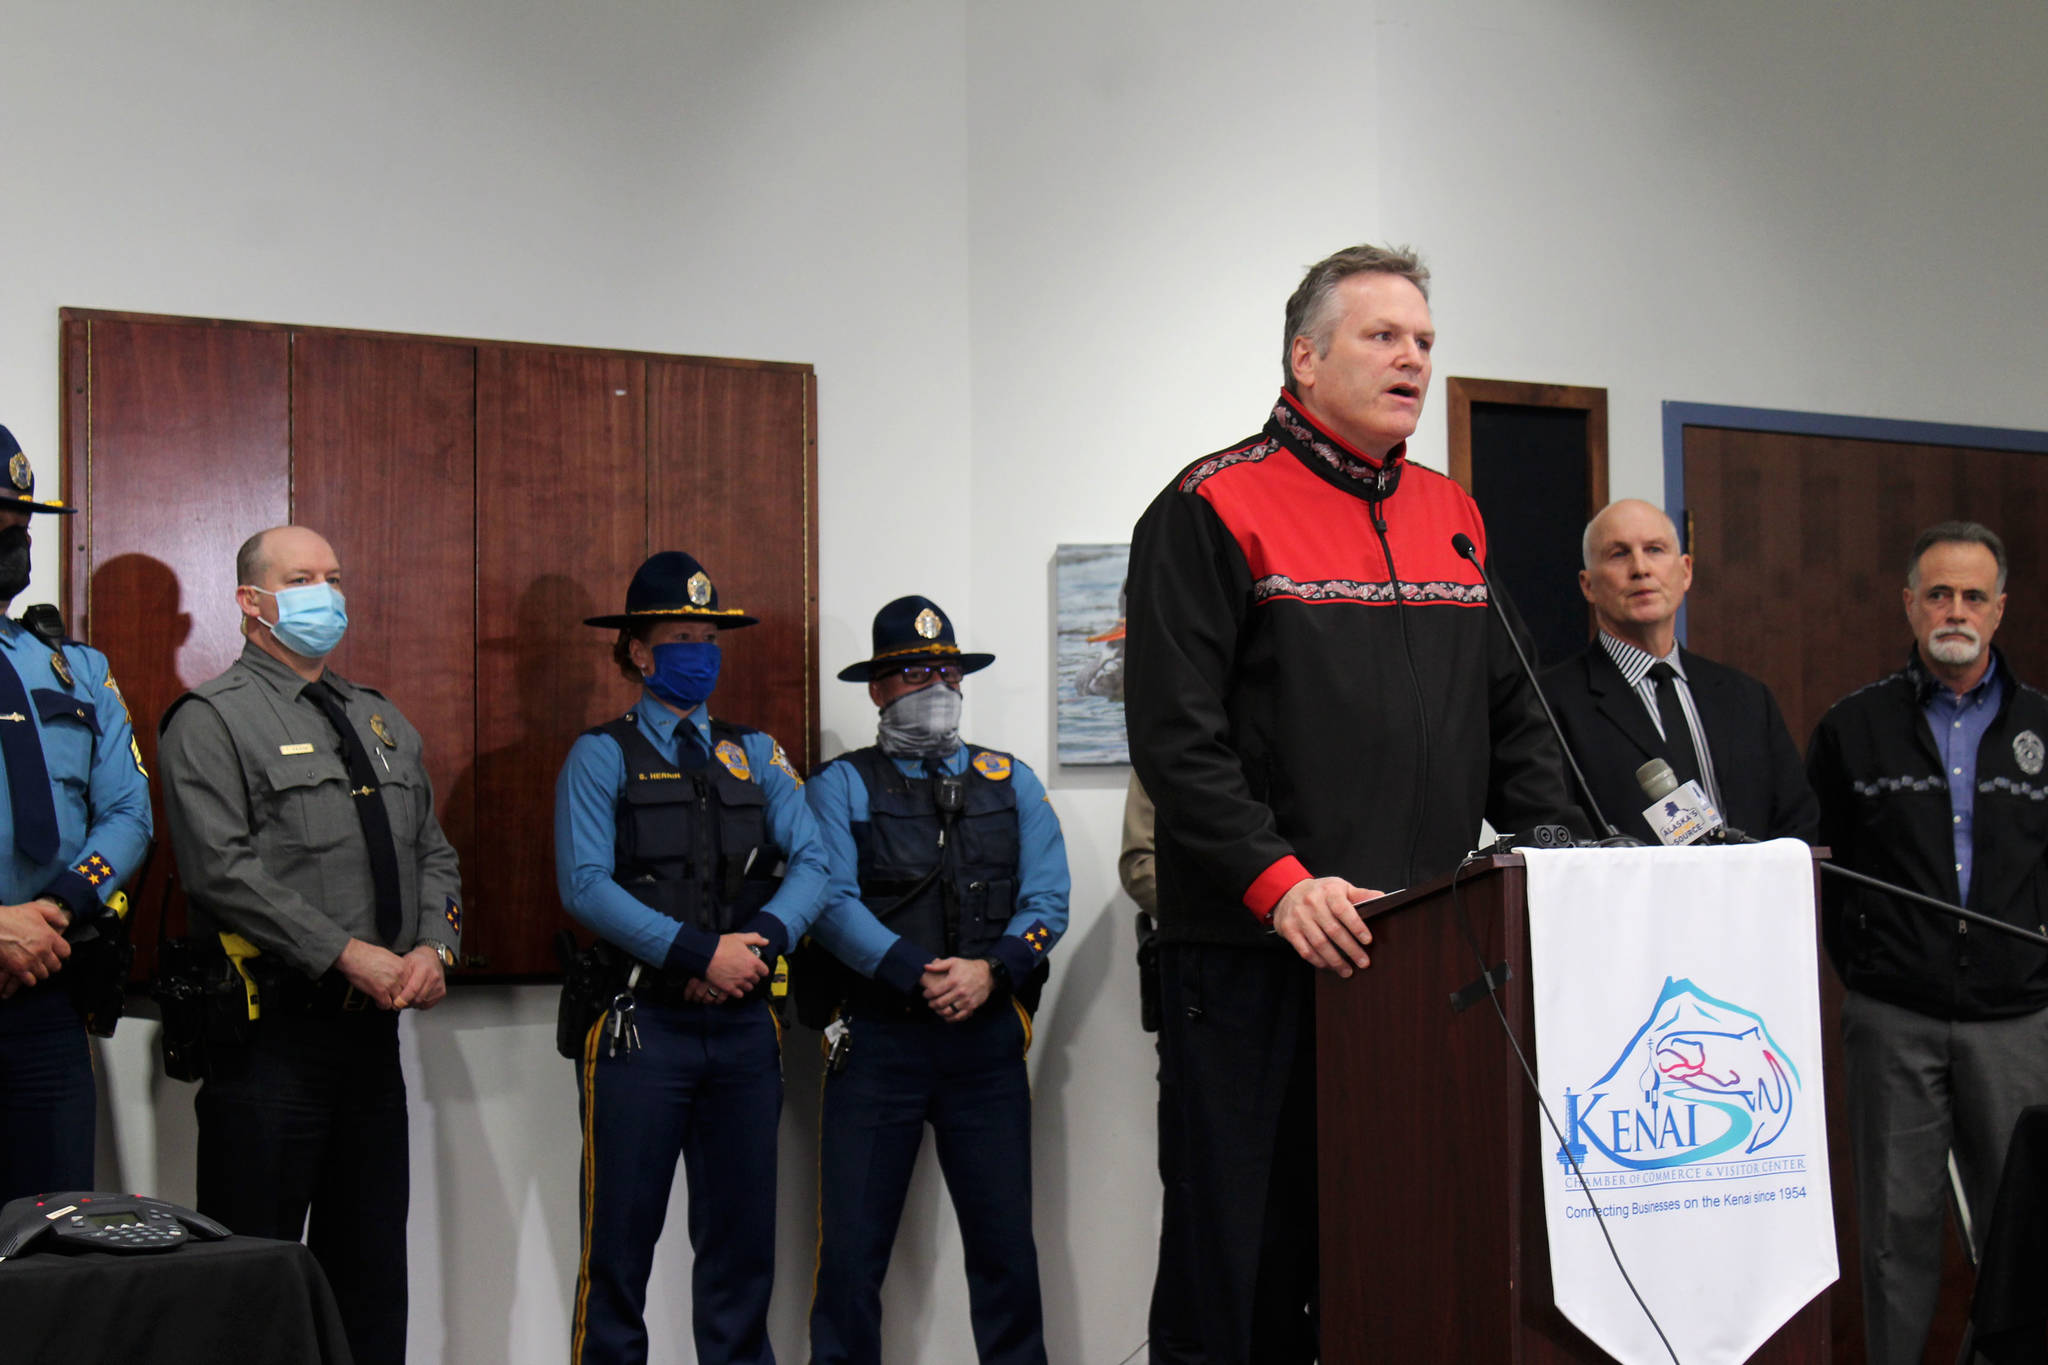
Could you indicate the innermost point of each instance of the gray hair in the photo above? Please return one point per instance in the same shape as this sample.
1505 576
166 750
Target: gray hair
1312 308
1955 533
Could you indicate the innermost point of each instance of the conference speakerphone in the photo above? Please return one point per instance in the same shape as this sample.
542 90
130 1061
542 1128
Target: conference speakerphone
80 1220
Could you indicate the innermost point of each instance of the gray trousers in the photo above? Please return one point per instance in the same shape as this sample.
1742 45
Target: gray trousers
1918 1088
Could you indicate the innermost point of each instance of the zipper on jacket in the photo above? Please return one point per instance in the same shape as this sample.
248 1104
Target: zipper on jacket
1379 526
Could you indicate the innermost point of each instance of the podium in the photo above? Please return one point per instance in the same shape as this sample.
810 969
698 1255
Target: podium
1431 1146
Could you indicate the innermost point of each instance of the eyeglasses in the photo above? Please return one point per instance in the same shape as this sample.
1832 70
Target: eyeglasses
917 675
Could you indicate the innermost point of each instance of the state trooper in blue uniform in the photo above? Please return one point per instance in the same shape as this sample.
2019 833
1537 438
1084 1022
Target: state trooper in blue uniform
949 888
77 813
684 843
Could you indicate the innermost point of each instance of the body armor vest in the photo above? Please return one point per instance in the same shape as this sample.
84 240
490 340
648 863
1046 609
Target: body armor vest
938 856
693 842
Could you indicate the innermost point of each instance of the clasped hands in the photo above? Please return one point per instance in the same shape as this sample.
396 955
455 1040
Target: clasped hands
32 943
394 981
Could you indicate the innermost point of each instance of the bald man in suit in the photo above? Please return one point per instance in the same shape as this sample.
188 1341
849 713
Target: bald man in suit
1635 694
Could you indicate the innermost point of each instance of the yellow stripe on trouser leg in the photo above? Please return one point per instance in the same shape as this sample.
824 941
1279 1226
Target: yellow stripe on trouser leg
589 1078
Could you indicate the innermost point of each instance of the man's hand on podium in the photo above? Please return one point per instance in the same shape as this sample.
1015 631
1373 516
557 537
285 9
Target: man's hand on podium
1319 916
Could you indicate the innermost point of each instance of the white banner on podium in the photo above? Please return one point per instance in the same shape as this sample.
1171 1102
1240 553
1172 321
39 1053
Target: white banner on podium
1678 1047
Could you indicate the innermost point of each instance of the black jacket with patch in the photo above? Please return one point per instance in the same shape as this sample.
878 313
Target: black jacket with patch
1885 811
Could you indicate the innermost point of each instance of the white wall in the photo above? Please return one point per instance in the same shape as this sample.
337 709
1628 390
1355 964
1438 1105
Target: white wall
1038 256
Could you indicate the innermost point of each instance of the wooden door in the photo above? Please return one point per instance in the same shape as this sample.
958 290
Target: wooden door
1799 548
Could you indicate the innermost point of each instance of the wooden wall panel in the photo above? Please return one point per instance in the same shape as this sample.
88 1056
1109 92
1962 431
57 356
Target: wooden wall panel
484 498
1799 554
561 481
383 465
179 441
729 452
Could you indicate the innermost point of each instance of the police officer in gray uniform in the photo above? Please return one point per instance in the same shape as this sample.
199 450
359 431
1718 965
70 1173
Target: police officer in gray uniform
76 807
303 823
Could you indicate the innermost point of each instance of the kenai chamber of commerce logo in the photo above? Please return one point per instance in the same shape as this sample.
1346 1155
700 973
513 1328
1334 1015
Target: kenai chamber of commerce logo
1701 1079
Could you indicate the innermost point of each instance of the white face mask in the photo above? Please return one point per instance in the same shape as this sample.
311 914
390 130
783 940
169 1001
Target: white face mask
922 724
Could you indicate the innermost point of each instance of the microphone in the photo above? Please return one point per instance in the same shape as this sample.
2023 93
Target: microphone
1462 543
1680 814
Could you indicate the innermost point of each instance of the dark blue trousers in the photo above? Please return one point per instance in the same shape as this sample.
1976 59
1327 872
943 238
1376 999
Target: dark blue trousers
967 1080
302 1130
706 1086
46 1094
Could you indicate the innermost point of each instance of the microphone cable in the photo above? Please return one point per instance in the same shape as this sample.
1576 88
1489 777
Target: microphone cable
1471 938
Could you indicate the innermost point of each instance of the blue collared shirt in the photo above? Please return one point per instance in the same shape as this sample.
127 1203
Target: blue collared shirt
850 931
1958 725
587 797
96 777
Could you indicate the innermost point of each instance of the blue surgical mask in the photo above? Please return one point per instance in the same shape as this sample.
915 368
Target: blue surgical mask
685 671
311 619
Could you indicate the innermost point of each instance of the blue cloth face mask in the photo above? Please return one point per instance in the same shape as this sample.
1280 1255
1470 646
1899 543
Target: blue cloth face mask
685 671
311 618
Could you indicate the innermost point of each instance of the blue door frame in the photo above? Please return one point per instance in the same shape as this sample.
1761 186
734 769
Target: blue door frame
1679 416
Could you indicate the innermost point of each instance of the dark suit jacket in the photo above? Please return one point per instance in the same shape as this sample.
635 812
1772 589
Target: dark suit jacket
1763 783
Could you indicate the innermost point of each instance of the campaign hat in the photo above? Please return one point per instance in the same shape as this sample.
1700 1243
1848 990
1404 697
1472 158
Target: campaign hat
912 630
672 586
18 480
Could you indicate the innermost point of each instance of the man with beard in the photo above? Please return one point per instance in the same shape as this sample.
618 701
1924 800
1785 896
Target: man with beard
303 821
949 888
1932 778
77 814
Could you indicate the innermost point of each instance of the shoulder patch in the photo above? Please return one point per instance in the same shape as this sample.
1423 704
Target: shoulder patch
781 763
994 767
735 760
115 688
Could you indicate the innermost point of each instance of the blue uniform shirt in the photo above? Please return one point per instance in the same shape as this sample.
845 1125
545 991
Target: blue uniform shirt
96 778
1958 725
850 931
587 797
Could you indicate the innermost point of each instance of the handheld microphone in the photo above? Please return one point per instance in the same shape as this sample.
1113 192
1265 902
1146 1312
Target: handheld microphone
1462 543
1678 813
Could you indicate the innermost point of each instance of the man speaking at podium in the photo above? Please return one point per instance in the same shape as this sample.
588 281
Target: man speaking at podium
1635 695
1322 707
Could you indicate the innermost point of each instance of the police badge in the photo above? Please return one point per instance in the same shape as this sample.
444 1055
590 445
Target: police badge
382 731
699 588
2028 751
19 475
928 625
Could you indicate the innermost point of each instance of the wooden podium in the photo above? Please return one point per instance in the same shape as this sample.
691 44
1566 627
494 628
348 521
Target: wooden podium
1431 1147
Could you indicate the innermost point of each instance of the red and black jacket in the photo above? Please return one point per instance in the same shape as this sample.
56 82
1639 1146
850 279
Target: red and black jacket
1290 713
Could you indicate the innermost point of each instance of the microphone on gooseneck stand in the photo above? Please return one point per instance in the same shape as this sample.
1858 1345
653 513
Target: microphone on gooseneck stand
1462 543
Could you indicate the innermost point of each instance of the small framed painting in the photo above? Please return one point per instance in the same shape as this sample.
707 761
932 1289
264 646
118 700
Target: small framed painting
1088 654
